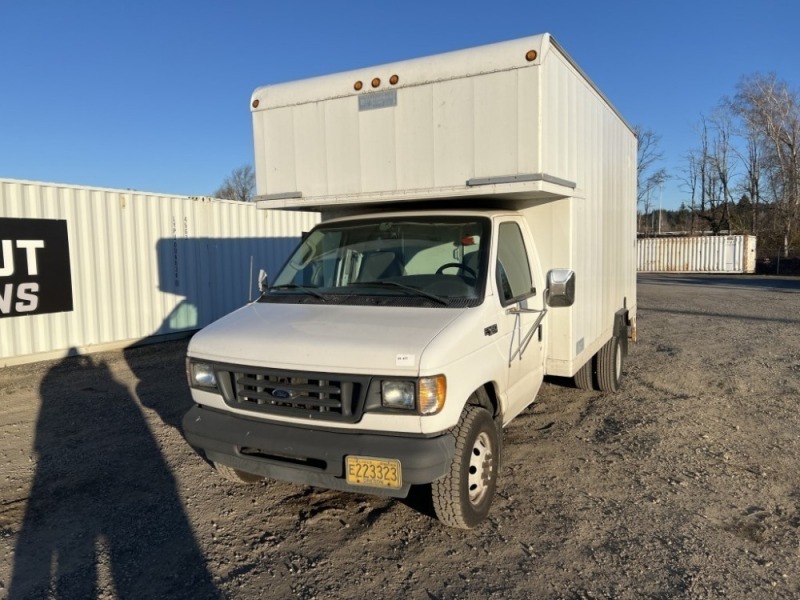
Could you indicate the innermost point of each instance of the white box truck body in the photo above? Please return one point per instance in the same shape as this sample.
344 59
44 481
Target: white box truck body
478 234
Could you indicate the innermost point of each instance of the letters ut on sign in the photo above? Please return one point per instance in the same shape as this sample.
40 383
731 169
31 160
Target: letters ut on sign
35 276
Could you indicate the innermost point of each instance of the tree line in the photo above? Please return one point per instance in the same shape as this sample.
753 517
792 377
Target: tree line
744 174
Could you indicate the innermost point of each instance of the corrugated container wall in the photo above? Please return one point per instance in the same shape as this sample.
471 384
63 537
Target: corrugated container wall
141 264
698 254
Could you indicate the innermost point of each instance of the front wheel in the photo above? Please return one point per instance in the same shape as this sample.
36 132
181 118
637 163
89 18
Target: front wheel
236 475
462 497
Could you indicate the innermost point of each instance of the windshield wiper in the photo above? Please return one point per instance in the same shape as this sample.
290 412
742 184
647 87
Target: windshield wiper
408 288
302 288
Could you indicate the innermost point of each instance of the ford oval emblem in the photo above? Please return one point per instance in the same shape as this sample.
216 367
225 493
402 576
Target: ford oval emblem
282 394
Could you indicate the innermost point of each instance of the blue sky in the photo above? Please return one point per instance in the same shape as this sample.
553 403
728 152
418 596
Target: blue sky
154 95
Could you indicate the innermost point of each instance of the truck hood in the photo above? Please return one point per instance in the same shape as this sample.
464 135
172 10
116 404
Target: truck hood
356 339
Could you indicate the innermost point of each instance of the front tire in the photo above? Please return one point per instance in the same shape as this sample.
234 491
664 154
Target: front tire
463 497
236 475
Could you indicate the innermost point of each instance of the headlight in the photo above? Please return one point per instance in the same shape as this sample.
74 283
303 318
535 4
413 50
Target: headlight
398 394
201 375
426 395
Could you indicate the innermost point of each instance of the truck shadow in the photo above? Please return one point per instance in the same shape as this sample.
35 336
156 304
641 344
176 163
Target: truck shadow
419 499
104 514
725 316
161 375
772 283
211 277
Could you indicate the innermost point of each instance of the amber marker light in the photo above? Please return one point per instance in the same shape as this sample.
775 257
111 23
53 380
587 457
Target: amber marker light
357 86
531 55
432 394
255 103
394 79
376 82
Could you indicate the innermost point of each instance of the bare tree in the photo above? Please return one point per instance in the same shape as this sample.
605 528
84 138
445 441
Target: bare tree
752 185
239 185
648 177
771 111
709 172
750 155
701 177
691 181
721 165
704 167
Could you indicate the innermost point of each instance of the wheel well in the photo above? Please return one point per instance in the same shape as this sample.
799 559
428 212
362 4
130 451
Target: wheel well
486 397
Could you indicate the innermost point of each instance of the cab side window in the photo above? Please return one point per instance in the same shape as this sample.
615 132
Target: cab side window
513 271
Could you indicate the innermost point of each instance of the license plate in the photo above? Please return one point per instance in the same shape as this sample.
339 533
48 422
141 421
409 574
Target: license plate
373 472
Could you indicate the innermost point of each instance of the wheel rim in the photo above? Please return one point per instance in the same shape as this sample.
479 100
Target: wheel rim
618 362
480 468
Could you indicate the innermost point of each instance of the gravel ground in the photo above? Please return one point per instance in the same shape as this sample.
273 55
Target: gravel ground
682 485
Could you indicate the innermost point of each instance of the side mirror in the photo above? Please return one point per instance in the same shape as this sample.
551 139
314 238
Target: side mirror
560 287
263 281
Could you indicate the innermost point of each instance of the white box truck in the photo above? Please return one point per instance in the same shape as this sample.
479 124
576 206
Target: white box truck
477 234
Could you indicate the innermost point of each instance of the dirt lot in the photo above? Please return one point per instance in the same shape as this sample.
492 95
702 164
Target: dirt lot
683 485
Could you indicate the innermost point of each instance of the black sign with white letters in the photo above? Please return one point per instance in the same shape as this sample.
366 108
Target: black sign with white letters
35 276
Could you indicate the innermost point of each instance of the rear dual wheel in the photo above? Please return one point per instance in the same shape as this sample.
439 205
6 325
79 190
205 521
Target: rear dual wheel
583 378
609 365
604 370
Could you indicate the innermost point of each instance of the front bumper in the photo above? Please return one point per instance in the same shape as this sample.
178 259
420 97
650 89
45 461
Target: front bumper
312 456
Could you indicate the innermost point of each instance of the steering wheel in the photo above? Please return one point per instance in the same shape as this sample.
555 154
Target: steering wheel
460 266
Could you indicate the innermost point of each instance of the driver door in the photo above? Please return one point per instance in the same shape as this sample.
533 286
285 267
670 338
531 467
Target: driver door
521 314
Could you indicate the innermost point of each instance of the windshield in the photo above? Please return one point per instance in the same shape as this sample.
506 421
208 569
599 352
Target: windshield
418 260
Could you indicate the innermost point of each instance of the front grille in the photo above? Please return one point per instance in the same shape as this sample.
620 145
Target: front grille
295 394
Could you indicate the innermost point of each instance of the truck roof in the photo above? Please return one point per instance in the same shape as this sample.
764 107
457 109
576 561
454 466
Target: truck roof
417 71
468 62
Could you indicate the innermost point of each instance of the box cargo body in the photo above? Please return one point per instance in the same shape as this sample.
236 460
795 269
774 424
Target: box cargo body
478 233
698 254
480 127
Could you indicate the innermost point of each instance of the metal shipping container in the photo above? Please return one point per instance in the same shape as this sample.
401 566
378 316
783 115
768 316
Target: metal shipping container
698 254
87 269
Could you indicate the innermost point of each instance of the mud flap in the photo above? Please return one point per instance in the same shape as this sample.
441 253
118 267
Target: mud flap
621 329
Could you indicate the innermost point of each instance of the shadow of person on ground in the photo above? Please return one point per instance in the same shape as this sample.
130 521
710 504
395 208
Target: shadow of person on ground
104 513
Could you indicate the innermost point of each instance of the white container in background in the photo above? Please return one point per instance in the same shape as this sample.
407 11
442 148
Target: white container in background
698 254
140 264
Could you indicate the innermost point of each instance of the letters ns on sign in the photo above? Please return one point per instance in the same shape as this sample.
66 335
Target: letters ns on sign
23 298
